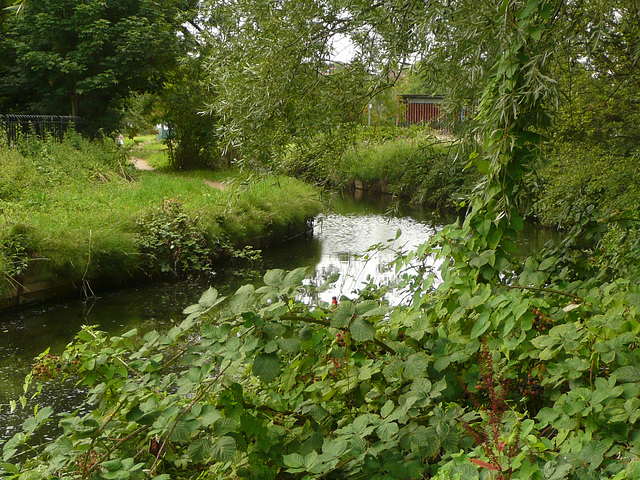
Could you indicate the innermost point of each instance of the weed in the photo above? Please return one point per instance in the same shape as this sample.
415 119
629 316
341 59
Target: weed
173 240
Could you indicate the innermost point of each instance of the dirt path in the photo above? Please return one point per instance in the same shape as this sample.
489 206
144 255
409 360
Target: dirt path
141 164
218 185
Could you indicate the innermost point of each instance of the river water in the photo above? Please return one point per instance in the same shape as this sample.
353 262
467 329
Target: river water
339 244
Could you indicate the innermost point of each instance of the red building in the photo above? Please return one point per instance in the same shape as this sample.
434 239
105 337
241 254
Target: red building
423 110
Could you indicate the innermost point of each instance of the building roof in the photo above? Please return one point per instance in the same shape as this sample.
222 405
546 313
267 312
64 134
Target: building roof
422 98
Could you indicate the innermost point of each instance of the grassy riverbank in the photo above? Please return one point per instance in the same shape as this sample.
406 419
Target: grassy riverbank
432 171
409 162
79 210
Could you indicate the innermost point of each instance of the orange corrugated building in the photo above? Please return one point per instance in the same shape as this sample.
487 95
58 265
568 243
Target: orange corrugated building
423 110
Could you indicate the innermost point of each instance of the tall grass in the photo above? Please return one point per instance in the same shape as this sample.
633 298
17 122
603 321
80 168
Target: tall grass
429 172
76 209
410 162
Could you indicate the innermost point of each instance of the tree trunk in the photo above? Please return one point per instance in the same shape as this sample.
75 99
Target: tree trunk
74 105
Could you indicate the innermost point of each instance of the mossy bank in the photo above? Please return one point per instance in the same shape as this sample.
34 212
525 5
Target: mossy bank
78 212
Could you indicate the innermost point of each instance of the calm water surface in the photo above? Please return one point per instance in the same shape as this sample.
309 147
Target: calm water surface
340 240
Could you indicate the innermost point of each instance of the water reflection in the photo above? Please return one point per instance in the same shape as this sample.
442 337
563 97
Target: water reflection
346 242
339 244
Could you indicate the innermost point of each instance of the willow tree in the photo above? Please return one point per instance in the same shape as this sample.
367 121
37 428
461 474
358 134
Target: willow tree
274 73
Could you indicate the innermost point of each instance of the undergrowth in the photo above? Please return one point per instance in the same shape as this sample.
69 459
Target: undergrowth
414 163
84 212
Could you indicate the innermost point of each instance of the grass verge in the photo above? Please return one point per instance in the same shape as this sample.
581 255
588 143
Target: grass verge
78 211
411 163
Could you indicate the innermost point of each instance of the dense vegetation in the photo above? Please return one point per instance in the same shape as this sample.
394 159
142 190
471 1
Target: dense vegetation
412 164
92 60
78 210
497 367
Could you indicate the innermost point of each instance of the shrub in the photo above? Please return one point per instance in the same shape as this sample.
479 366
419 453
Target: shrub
173 240
578 176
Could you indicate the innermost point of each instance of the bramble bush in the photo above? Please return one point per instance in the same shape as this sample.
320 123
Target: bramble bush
498 368
537 377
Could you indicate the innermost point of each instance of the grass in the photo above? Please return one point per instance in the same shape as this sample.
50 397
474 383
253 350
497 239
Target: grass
149 148
76 210
428 172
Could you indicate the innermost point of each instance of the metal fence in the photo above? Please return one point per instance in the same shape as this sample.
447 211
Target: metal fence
43 126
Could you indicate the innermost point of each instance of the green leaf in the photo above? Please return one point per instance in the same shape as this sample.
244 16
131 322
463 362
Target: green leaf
241 299
362 330
366 306
547 263
386 431
334 447
341 317
528 9
9 467
290 345
84 427
274 278
180 433
545 8
481 326
208 298
266 366
195 308
486 257
516 220
628 374
415 365
200 450
386 409
294 278
546 415
224 449
293 460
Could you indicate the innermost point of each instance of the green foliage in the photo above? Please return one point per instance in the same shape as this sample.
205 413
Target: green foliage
579 176
262 385
140 115
271 94
173 240
425 170
409 162
84 58
192 137
79 201
502 368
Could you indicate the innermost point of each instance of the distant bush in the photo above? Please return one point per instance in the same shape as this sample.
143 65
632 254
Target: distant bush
409 162
428 171
577 176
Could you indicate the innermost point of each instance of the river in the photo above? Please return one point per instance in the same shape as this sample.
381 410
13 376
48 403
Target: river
339 244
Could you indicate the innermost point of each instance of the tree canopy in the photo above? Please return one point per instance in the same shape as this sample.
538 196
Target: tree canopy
72 57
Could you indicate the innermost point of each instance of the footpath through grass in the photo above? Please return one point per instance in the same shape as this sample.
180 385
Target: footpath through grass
79 211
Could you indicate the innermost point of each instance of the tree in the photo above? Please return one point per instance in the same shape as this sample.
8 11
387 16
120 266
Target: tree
193 138
82 58
271 93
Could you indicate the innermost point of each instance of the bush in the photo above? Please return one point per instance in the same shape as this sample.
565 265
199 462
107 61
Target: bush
578 176
173 241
